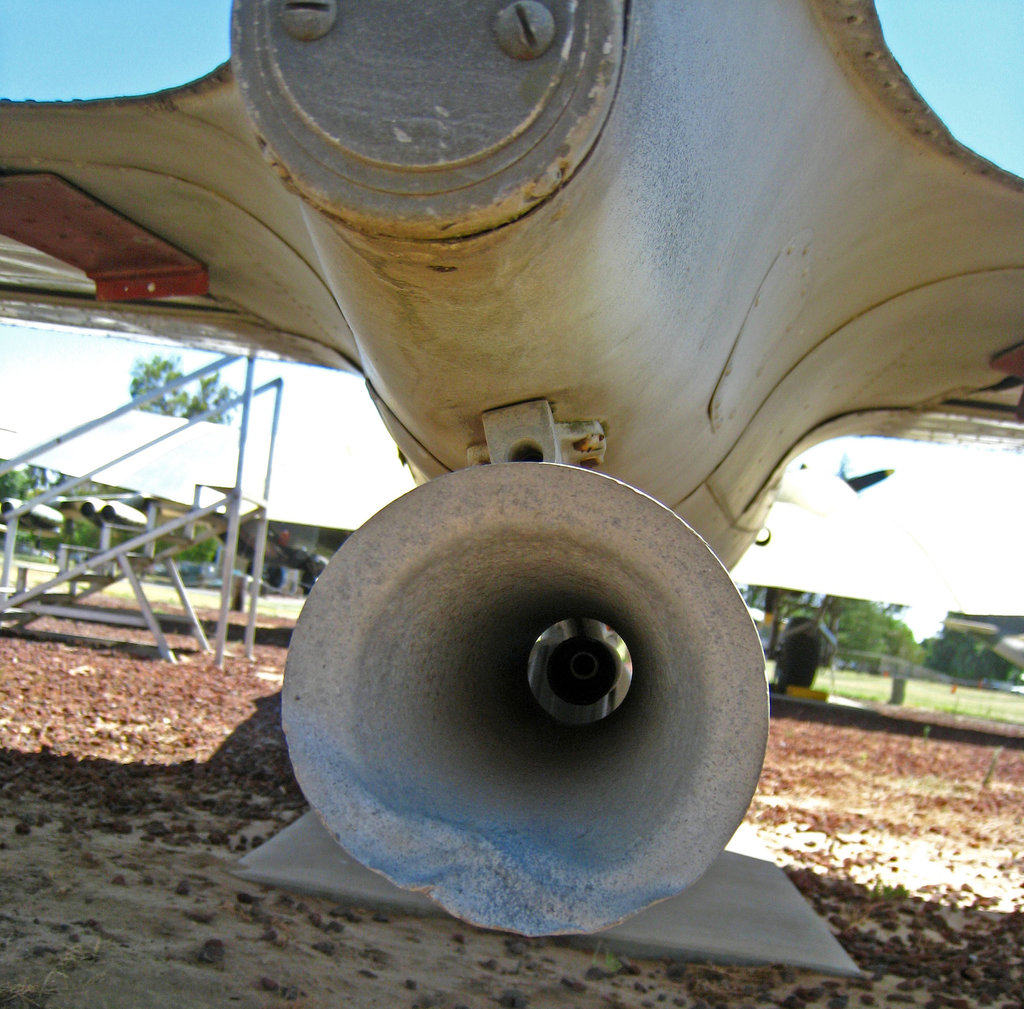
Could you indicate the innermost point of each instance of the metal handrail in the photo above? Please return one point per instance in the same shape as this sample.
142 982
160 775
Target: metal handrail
104 557
139 401
231 502
59 490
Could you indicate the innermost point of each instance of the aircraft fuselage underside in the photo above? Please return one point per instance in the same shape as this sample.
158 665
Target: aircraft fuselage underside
672 243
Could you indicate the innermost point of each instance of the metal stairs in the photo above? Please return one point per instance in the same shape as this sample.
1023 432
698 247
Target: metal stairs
68 593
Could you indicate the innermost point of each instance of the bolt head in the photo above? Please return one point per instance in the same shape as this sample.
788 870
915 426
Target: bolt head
524 29
308 20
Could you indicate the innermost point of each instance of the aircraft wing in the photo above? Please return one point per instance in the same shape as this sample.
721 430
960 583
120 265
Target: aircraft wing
1004 636
945 552
820 536
183 167
726 258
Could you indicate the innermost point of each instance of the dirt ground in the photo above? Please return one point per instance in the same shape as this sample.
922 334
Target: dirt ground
129 787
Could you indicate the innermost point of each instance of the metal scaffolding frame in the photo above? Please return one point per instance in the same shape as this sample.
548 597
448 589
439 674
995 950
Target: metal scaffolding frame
138 554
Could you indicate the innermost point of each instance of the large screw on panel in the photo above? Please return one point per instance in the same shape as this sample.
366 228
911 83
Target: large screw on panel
308 20
524 29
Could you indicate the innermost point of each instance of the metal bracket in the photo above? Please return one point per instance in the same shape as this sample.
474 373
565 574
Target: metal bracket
528 432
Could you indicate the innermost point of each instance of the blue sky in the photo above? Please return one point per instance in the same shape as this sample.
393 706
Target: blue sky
966 57
61 49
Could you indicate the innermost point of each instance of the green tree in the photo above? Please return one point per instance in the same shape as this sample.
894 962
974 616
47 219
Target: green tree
962 656
156 371
25 482
859 625
876 627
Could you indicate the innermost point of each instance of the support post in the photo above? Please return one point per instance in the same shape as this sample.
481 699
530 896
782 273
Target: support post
10 538
151 519
147 611
260 546
179 587
234 516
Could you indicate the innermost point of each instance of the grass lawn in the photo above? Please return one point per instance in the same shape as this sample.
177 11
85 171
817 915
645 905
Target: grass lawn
958 700
968 701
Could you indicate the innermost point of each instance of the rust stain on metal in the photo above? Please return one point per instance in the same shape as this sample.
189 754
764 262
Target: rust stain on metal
591 443
1010 362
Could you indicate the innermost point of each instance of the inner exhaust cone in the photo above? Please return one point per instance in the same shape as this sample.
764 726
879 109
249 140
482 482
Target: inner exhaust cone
580 671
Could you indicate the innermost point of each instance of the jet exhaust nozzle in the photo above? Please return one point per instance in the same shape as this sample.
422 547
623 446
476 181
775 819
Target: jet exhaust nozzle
116 512
39 516
532 692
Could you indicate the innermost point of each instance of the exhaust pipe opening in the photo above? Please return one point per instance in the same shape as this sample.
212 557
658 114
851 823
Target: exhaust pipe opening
580 671
544 806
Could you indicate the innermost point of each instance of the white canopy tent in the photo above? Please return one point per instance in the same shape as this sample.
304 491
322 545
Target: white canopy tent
359 474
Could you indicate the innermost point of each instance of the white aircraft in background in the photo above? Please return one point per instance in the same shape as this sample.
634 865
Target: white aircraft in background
673 243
